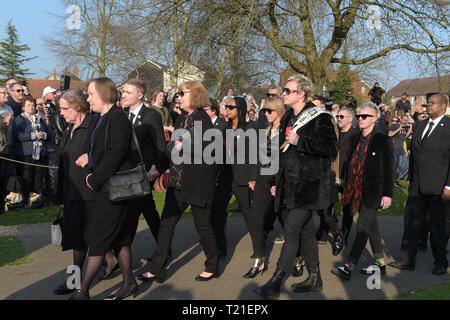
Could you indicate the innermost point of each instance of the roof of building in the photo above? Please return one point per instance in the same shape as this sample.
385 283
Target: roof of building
421 86
36 86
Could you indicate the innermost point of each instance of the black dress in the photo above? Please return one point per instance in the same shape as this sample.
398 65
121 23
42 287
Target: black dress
72 190
107 226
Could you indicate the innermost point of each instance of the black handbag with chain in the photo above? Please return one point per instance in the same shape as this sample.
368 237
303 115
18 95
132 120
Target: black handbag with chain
130 184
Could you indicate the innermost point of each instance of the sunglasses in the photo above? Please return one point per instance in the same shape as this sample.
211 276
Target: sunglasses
363 116
271 95
181 93
230 107
288 91
394 120
19 90
340 116
268 111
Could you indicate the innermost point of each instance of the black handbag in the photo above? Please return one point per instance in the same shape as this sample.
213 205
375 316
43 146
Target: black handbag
130 184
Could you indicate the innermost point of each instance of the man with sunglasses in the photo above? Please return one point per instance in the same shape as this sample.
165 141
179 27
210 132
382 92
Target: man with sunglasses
368 186
262 123
302 183
15 99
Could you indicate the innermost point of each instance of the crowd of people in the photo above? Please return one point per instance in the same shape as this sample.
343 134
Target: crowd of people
70 143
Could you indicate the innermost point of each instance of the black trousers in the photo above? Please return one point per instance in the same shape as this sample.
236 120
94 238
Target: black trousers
172 212
366 229
32 175
261 217
147 207
417 206
328 220
222 196
299 234
243 196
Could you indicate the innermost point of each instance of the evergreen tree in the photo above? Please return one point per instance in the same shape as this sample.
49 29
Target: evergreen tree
341 85
11 57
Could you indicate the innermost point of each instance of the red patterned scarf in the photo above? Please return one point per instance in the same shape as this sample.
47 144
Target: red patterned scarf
353 190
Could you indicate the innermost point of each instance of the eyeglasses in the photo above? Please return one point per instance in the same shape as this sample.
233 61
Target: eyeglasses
288 91
181 93
363 116
19 90
227 106
268 111
340 116
394 121
271 95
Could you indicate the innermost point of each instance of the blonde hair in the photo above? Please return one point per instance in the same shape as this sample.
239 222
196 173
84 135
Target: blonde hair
198 98
304 84
275 103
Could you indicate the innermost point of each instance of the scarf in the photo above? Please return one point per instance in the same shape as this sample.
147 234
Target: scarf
353 189
35 126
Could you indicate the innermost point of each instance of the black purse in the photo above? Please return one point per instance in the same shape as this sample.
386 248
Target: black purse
130 184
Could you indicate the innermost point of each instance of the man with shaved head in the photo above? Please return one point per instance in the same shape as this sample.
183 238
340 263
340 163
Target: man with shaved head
429 187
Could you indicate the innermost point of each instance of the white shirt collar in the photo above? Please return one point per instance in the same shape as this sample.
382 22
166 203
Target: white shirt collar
137 110
214 119
436 121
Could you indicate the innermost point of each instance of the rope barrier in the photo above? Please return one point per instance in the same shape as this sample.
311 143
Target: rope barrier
29 164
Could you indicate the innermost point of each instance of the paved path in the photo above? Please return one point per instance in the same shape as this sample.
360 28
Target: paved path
37 279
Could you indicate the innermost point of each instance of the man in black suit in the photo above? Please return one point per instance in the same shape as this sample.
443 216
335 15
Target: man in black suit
148 126
429 187
222 194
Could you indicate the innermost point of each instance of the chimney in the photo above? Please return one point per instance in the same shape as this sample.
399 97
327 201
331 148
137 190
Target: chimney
75 71
54 74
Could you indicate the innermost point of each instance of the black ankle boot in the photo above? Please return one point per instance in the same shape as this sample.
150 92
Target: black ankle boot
312 283
255 269
271 290
338 243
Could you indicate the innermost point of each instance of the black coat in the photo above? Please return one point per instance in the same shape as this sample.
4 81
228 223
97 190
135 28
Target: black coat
72 178
150 135
198 180
429 163
379 169
305 169
113 156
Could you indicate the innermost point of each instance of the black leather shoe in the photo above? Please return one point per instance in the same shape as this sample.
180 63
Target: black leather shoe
124 292
338 244
149 279
256 268
203 279
271 290
78 295
402 266
439 270
62 289
343 272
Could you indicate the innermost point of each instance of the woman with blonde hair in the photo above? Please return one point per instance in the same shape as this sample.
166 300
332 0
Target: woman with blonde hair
261 220
190 184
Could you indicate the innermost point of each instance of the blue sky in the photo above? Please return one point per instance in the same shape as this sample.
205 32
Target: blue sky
33 19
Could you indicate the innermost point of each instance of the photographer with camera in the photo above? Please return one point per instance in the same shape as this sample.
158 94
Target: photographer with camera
57 125
400 130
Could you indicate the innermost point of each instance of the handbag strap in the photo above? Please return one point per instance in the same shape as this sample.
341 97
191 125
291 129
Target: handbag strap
136 142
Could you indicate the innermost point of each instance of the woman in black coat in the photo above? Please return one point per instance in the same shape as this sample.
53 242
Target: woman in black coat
109 151
192 182
72 192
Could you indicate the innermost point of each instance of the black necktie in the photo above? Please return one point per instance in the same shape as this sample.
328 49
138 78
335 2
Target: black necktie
132 117
430 126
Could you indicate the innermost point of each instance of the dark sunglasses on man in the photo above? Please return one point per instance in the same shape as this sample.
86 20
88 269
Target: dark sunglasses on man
268 111
341 116
271 95
288 91
363 116
19 90
181 93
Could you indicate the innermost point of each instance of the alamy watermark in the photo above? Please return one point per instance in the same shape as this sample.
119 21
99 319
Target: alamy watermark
74 280
73 21
240 147
374 281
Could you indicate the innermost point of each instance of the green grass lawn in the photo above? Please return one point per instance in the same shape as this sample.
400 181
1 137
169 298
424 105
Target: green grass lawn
12 252
440 292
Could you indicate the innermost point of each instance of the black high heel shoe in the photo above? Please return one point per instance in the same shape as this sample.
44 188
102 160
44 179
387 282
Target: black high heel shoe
107 276
255 269
122 294
148 279
203 279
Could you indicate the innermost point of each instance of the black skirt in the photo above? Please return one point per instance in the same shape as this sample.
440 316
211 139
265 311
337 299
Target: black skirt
107 226
74 223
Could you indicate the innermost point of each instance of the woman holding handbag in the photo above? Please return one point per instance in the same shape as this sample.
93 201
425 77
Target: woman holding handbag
190 184
72 192
107 226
